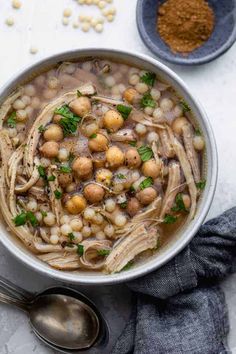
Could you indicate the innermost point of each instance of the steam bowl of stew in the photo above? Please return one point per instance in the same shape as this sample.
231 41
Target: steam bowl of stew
108 166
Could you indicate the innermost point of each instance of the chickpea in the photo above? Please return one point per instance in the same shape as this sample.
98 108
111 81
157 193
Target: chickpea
178 124
56 118
99 143
53 133
186 200
132 158
151 169
130 95
65 179
99 159
104 176
133 206
198 143
94 193
147 195
76 204
90 129
113 120
115 156
83 166
50 149
81 106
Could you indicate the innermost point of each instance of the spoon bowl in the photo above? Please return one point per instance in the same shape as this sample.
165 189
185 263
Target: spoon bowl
64 321
61 317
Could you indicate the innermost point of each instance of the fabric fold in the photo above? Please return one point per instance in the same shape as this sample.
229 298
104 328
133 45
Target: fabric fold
179 308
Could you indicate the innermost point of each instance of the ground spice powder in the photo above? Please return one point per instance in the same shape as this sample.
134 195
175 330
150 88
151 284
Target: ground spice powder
185 24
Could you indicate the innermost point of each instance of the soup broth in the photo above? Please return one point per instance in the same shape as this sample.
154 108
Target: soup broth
101 163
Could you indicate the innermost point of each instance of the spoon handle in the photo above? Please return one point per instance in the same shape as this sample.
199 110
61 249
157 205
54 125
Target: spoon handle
14 290
7 299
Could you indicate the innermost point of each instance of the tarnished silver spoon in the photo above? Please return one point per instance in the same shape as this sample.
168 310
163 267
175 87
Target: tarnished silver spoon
61 317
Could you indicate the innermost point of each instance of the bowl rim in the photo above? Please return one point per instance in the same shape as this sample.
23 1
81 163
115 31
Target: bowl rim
34 263
155 49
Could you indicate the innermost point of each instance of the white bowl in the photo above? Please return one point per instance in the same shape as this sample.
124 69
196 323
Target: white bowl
179 240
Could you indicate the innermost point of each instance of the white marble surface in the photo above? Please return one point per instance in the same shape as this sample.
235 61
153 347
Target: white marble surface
38 24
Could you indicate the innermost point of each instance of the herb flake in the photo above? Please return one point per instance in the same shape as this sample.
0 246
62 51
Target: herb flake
42 172
65 169
51 178
120 176
93 136
133 143
25 217
146 183
201 185
41 129
103 252
169 219
70 120
80 250
179 203
149 79
57 194
71 236
123 205
145 153
127 266
124 110
147 101
11 121
184 105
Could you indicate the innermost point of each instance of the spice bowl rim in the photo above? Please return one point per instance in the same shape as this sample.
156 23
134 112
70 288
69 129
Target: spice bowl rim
165 55
16 248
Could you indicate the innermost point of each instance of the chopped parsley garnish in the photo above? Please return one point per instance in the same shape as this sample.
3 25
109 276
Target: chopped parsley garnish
41 129
93 136
201 185
103 252
170 219
133 143
32 218
145 153
11 121
42 172
148 78
184 105
24 217
57 194
120 176
132 189
79 94
70 120
179 203
65 169
44 213
147 101
71 236
51 178
127 266
80 250
123 205
124 110
198 132
146 183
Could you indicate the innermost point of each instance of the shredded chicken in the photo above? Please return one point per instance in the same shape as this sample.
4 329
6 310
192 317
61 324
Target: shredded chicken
191 152
172 188
137 242
90 258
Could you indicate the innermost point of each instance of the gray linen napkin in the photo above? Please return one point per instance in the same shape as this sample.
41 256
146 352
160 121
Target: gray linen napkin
179 308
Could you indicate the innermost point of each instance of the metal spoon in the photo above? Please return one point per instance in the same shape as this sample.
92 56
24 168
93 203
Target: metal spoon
61 317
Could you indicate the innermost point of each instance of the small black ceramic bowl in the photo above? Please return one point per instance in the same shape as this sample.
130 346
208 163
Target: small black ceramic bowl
222 38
